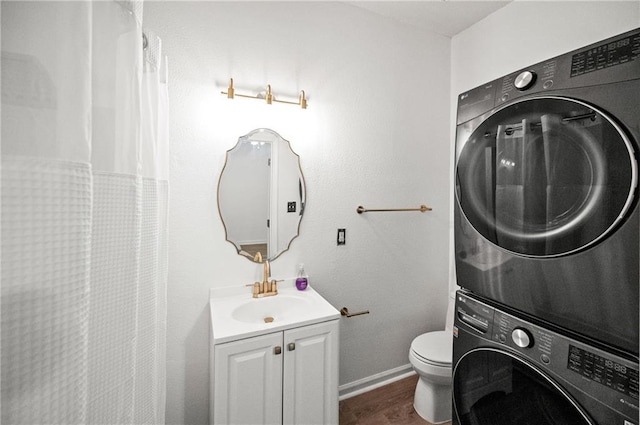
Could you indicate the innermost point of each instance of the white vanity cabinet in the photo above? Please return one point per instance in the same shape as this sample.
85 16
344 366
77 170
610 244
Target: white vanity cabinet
287 377
247 387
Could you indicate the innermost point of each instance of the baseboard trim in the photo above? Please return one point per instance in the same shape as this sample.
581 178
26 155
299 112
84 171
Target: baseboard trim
372 382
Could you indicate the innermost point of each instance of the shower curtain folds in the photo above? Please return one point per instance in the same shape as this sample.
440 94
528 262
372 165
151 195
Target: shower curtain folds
84 185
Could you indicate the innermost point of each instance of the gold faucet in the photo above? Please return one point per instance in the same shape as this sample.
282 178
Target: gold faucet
266 288
265 277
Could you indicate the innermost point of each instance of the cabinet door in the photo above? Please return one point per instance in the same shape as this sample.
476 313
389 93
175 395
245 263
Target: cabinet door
248 381
310 394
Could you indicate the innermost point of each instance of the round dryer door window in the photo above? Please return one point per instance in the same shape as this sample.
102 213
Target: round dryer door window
495 388
545 177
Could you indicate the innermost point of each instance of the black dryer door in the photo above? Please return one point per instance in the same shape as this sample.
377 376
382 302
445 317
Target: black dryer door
491 387
546 176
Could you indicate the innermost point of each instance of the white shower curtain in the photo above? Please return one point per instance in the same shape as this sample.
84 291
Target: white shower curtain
84 215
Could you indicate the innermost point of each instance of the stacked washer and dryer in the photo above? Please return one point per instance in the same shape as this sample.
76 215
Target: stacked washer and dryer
547 242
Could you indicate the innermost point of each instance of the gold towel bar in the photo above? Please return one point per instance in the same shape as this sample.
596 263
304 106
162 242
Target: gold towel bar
423 208
345 312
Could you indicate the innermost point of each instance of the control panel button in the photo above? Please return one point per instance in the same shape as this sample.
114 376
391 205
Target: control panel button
548 84
545 359
524 80
522 338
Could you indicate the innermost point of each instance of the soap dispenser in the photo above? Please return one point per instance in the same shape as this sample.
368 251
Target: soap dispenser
301 280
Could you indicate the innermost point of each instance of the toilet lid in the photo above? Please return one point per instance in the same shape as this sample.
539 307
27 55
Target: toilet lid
434 347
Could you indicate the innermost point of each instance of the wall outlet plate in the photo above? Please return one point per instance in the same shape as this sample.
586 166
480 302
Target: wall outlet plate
291 206
342 236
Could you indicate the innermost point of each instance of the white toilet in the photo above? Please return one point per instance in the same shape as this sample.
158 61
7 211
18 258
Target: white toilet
430 356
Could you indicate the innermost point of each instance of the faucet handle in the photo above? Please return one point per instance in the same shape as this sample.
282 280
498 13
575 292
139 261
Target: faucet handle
256 288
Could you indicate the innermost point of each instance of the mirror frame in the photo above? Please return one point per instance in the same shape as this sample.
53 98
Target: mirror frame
303 201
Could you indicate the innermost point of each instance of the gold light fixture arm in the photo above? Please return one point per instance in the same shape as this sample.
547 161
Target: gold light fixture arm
303 100
230 91
268 97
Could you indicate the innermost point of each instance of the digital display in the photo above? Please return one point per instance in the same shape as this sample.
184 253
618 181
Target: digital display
606 55
604 371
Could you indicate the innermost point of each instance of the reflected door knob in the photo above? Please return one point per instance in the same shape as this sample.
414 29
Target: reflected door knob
522 338
524 80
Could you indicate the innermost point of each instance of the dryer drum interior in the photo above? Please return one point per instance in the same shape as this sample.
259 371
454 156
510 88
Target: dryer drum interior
495 388
546 176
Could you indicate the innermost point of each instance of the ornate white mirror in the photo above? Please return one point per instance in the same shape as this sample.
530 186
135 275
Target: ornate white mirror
261 195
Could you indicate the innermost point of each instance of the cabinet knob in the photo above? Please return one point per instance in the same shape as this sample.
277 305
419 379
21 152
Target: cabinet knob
277 350
292 346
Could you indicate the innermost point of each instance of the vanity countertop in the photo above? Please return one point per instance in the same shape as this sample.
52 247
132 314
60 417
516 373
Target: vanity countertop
235 314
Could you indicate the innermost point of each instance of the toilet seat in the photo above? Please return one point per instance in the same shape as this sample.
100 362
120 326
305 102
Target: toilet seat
434 348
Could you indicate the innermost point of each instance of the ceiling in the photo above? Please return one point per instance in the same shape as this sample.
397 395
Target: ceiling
447 18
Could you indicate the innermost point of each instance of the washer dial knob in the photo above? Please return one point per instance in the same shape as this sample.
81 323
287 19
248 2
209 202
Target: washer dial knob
522 338
524 80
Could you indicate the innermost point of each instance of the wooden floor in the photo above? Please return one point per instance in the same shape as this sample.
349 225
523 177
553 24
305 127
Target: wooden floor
388 405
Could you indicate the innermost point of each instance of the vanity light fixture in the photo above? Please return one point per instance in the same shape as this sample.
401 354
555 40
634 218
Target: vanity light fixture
267 96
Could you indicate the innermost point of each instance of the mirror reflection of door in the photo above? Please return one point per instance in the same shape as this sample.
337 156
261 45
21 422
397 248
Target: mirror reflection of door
248 172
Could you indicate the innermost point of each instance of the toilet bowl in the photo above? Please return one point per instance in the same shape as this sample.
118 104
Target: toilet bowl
431 356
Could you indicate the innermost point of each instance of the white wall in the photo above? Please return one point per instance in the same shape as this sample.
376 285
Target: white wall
526 32
376 134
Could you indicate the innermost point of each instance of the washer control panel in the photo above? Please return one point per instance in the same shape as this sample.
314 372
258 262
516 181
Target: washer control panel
475 315
604 371
522 338
601 374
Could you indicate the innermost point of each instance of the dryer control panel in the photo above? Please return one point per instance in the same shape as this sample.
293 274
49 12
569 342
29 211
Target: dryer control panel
613 60
605 55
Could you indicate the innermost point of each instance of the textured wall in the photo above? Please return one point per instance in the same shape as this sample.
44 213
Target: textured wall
376 133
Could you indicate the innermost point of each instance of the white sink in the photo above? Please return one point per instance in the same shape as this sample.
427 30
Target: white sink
271 309
235 314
